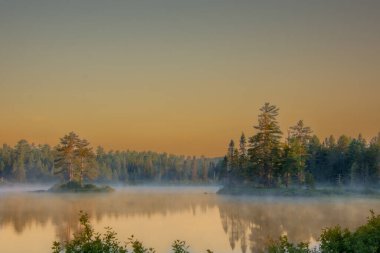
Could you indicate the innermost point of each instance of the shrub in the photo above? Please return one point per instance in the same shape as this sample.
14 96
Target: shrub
87 240
366 239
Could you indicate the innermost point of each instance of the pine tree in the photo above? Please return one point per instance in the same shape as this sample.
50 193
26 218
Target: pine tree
243 160
194 169
230 156
85 159
243 146
22 152
75 158
65 160
299 137
264 148
205 167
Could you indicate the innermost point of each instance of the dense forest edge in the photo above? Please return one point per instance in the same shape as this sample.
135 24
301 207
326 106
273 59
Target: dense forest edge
365 238
73 162
299 164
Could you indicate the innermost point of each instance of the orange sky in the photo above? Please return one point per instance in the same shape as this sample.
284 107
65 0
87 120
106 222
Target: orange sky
185 77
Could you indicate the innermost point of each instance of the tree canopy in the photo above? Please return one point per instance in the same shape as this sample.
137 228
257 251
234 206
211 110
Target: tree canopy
300 159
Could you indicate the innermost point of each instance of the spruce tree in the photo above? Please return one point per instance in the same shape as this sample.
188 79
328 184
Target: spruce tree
243 160
299 137
264 148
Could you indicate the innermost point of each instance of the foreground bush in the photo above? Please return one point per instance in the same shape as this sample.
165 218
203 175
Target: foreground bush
366 239
89 241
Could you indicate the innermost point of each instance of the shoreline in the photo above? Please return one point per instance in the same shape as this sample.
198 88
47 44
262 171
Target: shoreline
297 192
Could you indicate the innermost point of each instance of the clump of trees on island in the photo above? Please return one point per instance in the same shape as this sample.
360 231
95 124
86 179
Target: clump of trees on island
75 159
266 159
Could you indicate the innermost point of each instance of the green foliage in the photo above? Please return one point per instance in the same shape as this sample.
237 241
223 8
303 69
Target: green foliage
264 151
75 159
180 247
309 180
298 139
366 239
40 163
302 160
87 240
138 247
284 246
335 239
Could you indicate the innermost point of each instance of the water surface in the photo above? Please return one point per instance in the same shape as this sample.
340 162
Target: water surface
30 222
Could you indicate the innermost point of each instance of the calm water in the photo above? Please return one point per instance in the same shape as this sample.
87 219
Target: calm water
30 222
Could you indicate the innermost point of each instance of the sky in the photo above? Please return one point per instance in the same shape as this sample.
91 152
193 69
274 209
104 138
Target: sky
185 77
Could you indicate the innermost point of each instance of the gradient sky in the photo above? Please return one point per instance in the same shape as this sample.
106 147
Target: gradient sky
185 76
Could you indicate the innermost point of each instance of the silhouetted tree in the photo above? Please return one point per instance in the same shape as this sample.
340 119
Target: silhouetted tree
264 148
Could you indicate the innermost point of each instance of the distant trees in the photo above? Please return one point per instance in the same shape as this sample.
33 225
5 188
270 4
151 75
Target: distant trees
26 162
73 159
205 167
301 159
22 157
194 169
265 159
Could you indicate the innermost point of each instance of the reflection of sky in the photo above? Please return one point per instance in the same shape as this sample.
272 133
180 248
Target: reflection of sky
160 217
185 76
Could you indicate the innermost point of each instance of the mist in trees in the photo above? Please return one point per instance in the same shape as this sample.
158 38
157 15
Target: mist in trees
272 160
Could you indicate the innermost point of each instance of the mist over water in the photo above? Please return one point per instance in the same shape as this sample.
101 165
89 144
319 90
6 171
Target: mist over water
29 222
22 188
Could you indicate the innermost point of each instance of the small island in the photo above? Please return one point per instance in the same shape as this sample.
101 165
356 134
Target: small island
75 187
75 163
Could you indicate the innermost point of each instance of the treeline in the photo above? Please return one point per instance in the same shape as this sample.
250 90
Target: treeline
270 160
74 160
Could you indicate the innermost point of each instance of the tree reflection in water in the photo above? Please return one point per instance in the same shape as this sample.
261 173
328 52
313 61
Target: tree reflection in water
248 222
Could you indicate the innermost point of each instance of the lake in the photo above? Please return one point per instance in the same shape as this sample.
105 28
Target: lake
30 222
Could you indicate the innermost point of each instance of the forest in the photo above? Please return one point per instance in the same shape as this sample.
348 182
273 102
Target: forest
74 160
266 159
